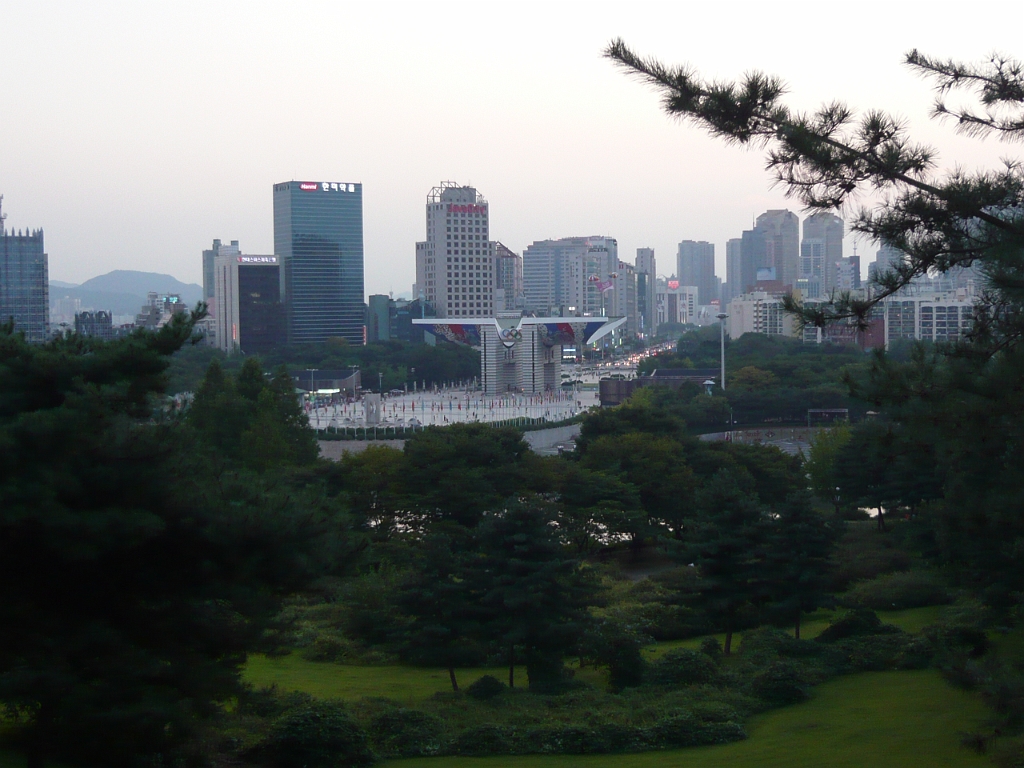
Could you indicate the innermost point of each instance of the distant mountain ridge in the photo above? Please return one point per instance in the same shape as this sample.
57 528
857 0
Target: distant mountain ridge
123 291
141 283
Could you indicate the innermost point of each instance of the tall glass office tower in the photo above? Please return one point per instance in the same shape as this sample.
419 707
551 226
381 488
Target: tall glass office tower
318 233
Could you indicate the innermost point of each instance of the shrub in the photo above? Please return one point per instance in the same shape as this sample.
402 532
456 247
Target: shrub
855 623
546 673
763 642
487 687
567 740
269 701
972 641
686 730
712 648
316 735
682 667
614 737
591 739
909 589
483 740
619 647
875 653
715 712
780 683
406 733
863 554
328 646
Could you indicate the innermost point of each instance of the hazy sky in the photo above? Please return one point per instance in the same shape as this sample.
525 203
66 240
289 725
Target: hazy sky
134 133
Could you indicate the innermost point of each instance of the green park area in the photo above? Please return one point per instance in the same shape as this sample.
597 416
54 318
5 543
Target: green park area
409 684
879 719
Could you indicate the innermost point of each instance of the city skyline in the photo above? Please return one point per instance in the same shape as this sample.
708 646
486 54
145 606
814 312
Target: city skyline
181 146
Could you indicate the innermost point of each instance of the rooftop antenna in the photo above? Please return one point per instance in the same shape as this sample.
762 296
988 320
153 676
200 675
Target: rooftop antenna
2 214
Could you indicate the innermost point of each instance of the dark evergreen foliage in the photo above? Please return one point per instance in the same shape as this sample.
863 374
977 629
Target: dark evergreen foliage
133 580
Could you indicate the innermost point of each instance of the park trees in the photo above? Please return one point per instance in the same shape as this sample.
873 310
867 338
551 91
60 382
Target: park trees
536 591
726 544
251 418
797 557
441 601
458 473
133 580
822 464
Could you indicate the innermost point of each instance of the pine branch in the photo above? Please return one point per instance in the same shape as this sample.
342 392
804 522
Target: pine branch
814 160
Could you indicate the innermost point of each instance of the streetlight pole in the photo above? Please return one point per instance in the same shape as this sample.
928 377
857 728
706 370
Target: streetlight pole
721 318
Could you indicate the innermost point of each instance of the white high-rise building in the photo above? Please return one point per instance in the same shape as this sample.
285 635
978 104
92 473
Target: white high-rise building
677 304
570 276
937 318
821 253
759 312
455 264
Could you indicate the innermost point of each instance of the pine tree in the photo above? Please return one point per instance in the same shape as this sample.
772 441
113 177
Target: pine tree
798 548
821 464
442 602
727 544
133 579
537 593
827 158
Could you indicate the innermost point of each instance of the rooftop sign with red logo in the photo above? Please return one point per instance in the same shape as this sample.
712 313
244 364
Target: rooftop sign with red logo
452 208
326 186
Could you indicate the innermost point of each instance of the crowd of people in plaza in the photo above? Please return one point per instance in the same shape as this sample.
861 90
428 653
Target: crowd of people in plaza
449 406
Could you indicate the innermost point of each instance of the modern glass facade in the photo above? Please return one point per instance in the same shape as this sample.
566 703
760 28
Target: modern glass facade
318 233
260 312
25 284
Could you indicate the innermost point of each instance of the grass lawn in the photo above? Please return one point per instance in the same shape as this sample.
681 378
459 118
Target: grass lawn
339 681
408 684
911 620
870 720
873 719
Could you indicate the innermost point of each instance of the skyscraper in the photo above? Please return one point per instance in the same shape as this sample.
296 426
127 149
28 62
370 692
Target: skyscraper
209 279
733 271
455 264
646 291
248 314
24 282
821 250
318 234
508 274
781 230
753 259
886 259
695 265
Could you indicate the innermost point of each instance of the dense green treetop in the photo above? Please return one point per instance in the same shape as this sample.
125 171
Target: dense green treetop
134 577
